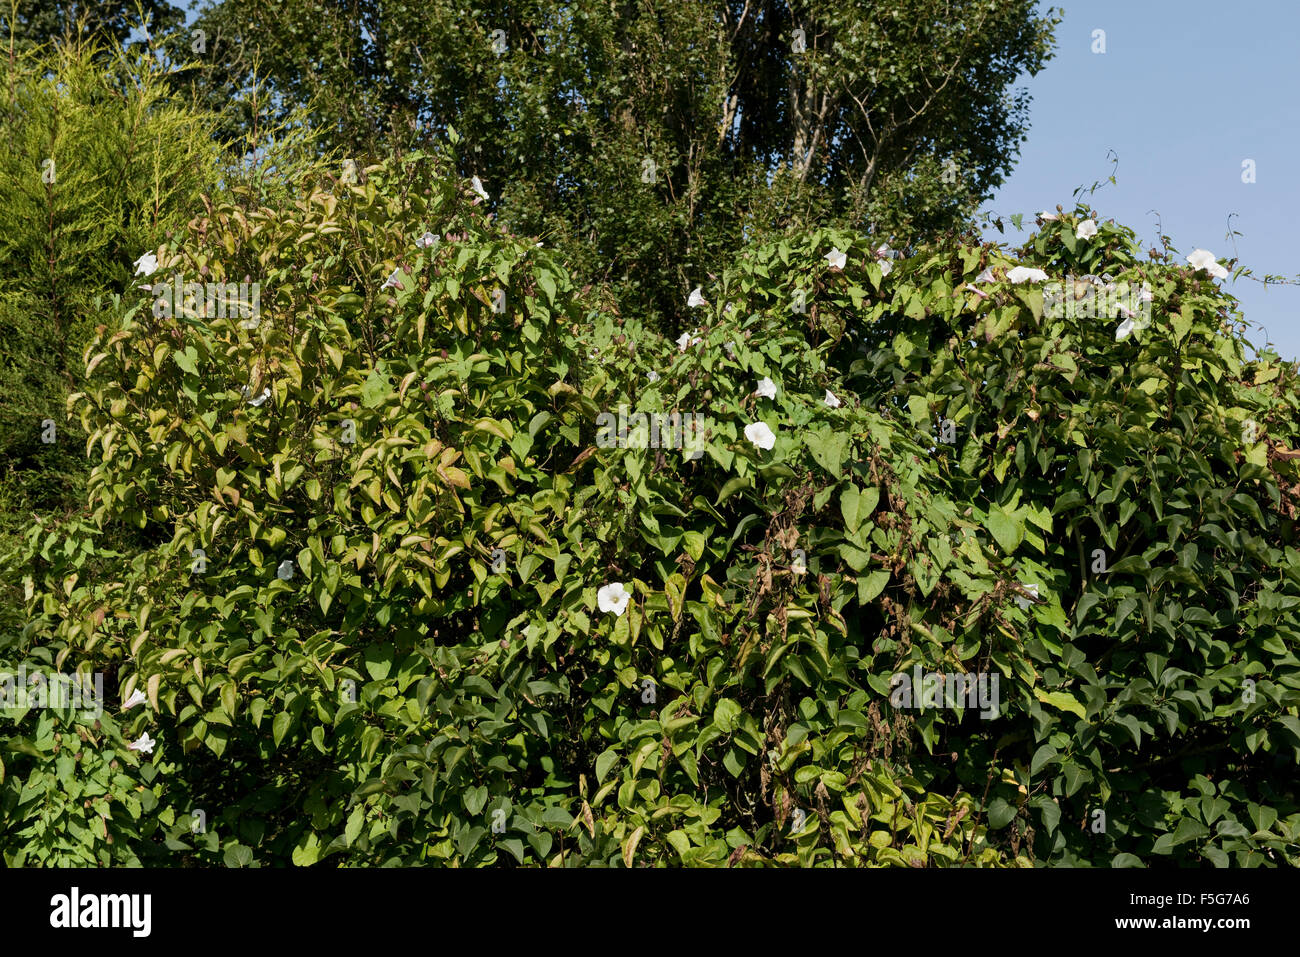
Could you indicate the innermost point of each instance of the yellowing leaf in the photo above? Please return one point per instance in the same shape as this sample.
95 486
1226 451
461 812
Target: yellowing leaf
1061 701
629 845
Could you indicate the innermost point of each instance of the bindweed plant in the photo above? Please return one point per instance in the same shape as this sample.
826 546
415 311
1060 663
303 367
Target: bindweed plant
941 577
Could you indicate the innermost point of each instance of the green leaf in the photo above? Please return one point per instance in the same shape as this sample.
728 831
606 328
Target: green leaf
1045 754
1050 811
918 407
1182 322
308 851
280 727
547 283
1007 530
869 586
514 847
475 799
693 544
604 762
829 448
1000 813
1189 829
376 389
468 839
379 661
238 855
732 487
726 715
857 505
187 360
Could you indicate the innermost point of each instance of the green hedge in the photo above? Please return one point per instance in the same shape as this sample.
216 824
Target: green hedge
402 642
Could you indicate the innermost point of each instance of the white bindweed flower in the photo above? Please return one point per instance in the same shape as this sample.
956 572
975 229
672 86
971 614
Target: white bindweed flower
613 597
1087 229
146 265
686 340
1024 603
1025 274
886 267
652 376
393 282
427 240
137 697
986 275
477 185
760 435
1124 330
836 258
883 250
830 400
266 394
731 348
144 744
1047 217
696 298
1204 259
766 388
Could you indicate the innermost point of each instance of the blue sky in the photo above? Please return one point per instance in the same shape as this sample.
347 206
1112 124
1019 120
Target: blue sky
1185 92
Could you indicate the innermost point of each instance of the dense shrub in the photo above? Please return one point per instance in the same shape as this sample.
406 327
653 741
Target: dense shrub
376 623
101 161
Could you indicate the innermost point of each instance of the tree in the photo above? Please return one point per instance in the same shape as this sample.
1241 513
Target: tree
643 139
35 22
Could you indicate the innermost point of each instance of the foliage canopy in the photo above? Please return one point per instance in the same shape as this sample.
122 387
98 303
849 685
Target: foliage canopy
393 646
